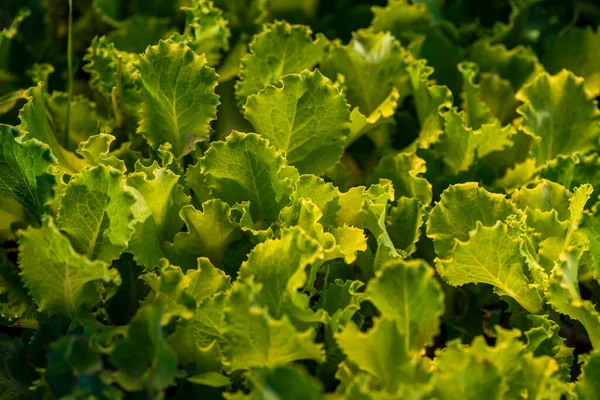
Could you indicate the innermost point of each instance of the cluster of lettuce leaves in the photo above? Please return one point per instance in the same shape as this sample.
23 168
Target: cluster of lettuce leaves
301 200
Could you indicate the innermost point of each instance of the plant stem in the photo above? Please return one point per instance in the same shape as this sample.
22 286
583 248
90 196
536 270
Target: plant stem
116 94
70 74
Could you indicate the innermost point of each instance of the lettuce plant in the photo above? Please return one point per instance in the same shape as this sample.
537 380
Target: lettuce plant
299 199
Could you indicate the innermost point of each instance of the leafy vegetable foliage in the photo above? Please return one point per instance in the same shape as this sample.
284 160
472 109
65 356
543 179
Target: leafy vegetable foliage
285 199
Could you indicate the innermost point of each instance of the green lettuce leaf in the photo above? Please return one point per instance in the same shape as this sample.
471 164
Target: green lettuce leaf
461 146
405 170
255 339
144 359
25 173
179 96
372 65
96 150
85 120
491 256
501 371
280 49
381 351
58 278
429 100
304 117
543 338
404 223
517 65
460 209
246 168
408 292
279 266
199 340
477 112
209 232
405 20
588 385
35 122
206 31
110 68
159 201
557 132
576 52
286 381
14 301
96 213
564 295
136 32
